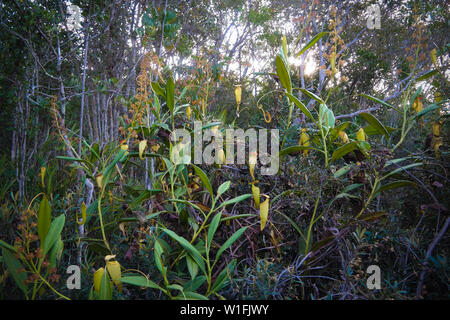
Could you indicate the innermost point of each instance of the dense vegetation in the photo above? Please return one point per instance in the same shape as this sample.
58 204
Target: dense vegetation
90 91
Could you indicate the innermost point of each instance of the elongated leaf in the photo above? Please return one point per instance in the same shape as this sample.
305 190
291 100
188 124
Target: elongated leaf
205 180
234 200
371 131
394 185
195 254
372 216
223 188
401 169
213 227
13 265
194 284
283 74
105 287
54 233
296 227
3 244
342 151
428 109
55 253
342 171
352 187
220 280
312 96
189 295
229 242
44 219
157 253
74 160
170 94
301 106
294 149
375 123
140 281
311 43
192 266
427 75
379 101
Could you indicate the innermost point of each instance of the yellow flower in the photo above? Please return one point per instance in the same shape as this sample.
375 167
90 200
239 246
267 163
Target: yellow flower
188 112
361 135
142 146
417 105
304 141
252 163
264 212
256 193
221 156
114 271
343 136
43 170
98 279
437 128
99 180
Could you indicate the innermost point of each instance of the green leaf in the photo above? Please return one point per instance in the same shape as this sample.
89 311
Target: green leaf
342 171
283 74
44 219
302 107
55 253
213 227
192 266
7 246
205 180
296 227
223 188
428 109
415 95
234 200
189 295
352 187
54 233
229 242
311 43
13 265
140 281
326 116
74 159
105 287
375 123
312 96
379 101
157 89
170 94
195 283
401 169
372 216
371 131
195 254
343 150
427 75
157 253
220 280
394 185
294 149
